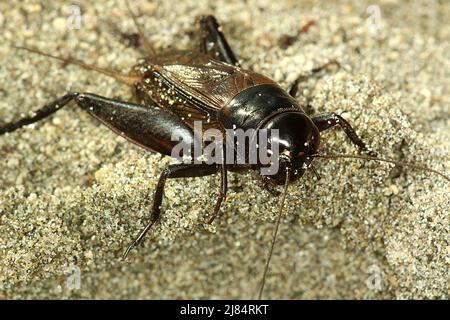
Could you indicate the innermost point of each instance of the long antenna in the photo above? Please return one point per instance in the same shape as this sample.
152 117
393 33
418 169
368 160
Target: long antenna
148 47
398 163
128 80
275 233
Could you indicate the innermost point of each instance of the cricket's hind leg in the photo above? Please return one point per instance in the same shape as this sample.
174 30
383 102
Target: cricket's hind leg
213 41
146 126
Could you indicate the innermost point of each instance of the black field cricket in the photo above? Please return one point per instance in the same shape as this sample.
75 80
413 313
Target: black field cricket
208 84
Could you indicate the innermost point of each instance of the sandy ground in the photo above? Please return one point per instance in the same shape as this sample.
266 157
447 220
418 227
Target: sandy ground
73 194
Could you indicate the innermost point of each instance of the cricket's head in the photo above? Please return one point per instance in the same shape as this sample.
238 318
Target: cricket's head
297 141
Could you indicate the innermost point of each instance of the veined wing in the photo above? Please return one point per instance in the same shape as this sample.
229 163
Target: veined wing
209 82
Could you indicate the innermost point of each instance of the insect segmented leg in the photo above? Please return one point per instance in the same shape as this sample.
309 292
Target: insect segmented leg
269 187
213 41
326 121
286 41
40 114
293 89
173 171
222 193
150 128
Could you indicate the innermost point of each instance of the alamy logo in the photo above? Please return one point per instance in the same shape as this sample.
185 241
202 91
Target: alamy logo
236 146
74 19
73 281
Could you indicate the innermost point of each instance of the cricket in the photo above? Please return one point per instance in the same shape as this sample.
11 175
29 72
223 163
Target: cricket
210 85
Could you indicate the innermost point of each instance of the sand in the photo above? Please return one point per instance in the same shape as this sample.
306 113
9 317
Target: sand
73 194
